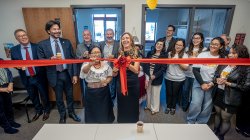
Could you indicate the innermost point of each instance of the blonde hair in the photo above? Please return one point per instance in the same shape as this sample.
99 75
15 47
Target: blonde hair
133 52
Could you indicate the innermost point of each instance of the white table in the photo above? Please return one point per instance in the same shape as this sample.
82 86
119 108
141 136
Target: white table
125 132
184 132
66 132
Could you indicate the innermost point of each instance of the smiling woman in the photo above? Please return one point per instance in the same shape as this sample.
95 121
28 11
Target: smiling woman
128 105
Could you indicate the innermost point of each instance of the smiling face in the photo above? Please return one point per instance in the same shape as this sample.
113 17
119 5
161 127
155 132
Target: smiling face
22 38
215 46
196 40
95 53
87 36
54 31
126 42
159 46
179 46
232 53
109 36
169 32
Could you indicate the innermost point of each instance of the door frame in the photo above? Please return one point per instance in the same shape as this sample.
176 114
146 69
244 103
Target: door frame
122 6
191 14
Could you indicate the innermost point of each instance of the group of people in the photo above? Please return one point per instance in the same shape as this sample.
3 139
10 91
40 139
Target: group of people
197 87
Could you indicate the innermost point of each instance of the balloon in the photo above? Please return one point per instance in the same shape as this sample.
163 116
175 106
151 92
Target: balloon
152 4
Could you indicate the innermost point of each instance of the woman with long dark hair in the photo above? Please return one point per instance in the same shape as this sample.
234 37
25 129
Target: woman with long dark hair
154 77
232 82
201 103
98 102
175 76
196 46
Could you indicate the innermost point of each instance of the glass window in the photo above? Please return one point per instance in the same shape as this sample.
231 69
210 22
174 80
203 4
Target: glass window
150 31
99 30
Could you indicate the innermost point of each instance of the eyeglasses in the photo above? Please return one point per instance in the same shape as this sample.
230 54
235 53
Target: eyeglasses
96 53
21 36
214 44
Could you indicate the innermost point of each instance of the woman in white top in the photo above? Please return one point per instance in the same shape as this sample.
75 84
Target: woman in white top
98 103
195 48
175 75
201 103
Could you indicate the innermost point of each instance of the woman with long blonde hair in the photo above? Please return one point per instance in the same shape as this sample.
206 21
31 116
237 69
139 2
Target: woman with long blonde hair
128 105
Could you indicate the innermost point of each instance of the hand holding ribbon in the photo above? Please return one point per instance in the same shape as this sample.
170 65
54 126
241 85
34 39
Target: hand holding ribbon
122 63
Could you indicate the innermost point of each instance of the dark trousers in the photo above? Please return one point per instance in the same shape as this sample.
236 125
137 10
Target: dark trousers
36 86
173 89
6 111
243 114
64 84
186 92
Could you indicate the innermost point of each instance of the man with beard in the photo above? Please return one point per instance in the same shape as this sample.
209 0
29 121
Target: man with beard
109 49
61 77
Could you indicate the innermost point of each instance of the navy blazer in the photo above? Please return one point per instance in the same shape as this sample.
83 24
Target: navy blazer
17 55
45 52
158 70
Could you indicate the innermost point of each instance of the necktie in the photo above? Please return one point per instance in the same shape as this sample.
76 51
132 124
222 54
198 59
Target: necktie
58 50
30 69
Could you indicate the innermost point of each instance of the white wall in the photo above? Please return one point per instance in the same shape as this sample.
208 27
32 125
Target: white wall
12 18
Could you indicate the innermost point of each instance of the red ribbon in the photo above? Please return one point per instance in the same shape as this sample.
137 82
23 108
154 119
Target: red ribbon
122 63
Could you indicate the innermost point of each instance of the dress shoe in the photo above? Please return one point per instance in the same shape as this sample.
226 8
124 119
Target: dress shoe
45 116
172 111
10 130
14 124
74 117
167 110
62 120
36 117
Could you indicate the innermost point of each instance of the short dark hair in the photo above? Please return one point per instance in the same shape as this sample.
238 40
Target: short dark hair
50 23
172 27
18 30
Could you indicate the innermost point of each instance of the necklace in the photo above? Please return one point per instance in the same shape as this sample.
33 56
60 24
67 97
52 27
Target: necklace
97 66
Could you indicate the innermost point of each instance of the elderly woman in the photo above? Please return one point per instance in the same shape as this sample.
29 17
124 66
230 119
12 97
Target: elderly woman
232 82
128 105
98 103
6 112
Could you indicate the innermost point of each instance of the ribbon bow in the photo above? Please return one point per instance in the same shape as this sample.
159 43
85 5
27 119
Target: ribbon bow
122 63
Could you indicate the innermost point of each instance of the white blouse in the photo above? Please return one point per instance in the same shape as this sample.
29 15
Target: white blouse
96 75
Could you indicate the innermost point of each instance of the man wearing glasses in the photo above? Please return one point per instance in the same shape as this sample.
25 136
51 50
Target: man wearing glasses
169 40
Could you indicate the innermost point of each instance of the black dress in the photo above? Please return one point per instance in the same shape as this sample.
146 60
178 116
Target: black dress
98 105
128 105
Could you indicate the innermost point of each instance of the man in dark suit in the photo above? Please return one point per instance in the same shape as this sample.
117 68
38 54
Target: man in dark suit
169 40
61 77
109 49
32 77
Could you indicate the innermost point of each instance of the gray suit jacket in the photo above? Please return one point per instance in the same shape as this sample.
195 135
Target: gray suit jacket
115 50
82 47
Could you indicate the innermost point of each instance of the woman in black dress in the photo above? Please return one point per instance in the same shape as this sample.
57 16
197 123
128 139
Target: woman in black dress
128 105
98 103
232 82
